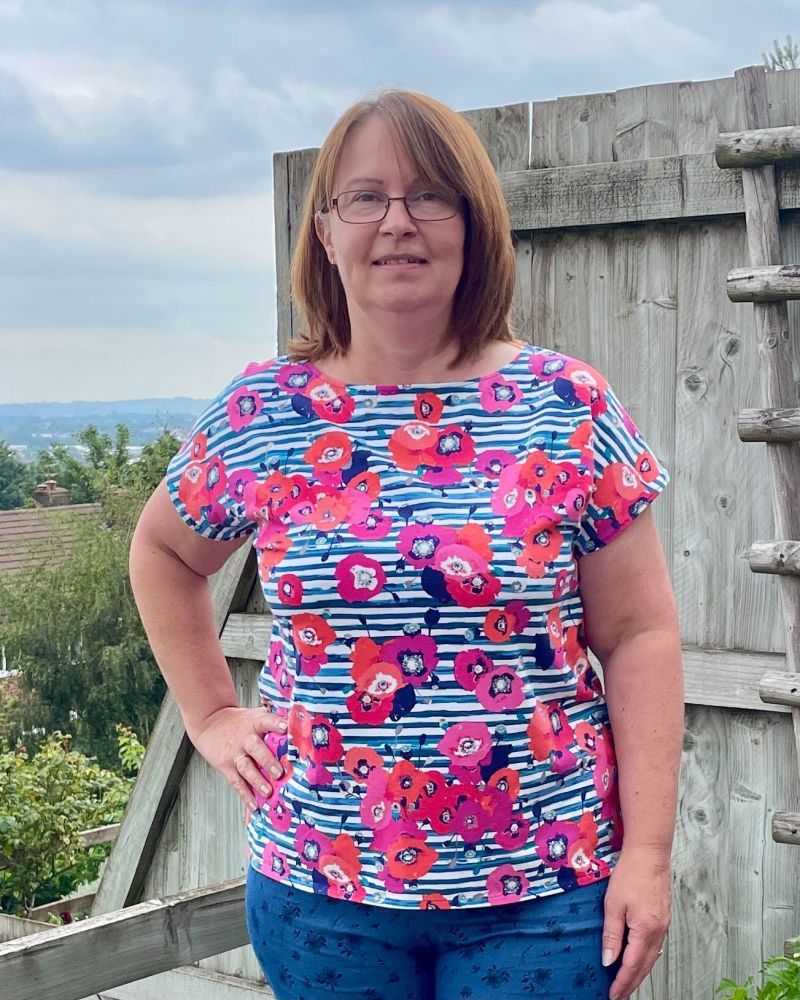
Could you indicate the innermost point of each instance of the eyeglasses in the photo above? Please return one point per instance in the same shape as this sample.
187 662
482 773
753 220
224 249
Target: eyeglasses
372 206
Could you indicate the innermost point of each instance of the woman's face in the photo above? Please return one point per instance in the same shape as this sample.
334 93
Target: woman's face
370 162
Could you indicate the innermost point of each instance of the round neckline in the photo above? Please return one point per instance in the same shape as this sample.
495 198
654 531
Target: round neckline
417 386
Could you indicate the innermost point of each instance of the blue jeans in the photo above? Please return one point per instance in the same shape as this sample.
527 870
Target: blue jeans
312 947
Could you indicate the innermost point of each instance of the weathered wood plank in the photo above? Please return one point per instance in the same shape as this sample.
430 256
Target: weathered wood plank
13 928
775 557
786 828
769 425
780 688
100 835
190 984
764 284
504 132
164 764
756 147
150 937
280 201
721 487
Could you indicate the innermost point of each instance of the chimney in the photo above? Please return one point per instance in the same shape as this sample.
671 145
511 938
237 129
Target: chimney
50 494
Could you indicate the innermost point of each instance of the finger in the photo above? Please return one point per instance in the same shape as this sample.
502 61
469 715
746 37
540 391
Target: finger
255 778
634 967
270 722
613 934
245 793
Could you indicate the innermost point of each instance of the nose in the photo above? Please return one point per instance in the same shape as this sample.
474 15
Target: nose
397 220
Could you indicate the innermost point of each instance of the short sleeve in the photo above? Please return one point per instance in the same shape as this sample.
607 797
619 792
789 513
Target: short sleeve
627 475
207 477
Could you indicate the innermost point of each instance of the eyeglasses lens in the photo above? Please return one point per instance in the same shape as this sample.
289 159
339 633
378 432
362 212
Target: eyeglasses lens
370 206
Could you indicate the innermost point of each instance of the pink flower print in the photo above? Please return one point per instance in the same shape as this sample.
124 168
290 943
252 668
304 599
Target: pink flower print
359 578
509 498
376 803
520 616
459 561
437 803
279 671
244 405
375 524
415 656
515 833
491 463
290 589
454 446
256 367
589 385
379 679
310 845
547 365
294 378
418 543
398 827
467 744
471 821
237 483
497 804
470 665
566 582
275 864
554 841
279 815
498 394
506 884
500 690
199 446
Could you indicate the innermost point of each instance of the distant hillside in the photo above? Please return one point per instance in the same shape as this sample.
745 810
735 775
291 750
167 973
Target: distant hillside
30 427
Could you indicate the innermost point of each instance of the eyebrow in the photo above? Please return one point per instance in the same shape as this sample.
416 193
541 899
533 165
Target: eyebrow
372 180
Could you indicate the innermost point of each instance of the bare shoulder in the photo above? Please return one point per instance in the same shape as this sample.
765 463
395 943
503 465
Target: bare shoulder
161 526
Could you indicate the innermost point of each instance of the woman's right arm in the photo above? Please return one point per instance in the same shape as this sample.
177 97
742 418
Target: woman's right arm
169 569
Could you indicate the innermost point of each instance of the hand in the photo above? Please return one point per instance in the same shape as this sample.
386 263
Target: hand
639 895
232 740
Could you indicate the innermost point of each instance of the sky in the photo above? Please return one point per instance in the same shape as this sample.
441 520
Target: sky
136 141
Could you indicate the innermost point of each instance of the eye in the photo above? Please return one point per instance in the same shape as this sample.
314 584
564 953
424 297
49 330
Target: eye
429 196
365 197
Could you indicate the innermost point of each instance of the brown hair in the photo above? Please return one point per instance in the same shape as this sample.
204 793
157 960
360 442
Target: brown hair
444 148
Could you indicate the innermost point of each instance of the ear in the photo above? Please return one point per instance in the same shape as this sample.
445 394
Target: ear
323 231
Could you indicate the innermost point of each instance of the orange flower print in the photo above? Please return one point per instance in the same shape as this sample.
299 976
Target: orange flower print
330 452
311 633
428 406
409 858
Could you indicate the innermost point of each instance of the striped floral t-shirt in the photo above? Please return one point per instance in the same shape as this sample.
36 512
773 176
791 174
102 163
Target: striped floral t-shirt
418 545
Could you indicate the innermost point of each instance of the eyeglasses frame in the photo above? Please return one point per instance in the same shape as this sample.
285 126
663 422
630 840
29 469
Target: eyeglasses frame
403 198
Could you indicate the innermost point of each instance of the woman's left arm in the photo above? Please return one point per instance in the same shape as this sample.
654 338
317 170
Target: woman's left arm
631 625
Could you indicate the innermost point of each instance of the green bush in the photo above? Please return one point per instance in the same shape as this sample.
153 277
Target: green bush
781 981
48 799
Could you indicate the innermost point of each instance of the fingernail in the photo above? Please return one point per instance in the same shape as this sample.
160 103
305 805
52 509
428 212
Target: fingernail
276 770
608 956
253 805
283 725
266 789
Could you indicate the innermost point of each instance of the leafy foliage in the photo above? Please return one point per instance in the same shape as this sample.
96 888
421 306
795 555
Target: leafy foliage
48 799
72 629
783 56
781 981
16 481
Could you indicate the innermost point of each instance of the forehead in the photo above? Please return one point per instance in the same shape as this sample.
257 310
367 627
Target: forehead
369 152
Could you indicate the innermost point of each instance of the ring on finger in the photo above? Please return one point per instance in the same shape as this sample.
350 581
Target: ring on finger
660 951
237 759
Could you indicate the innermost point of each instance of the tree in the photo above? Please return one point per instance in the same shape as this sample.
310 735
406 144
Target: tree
16 483
48 798
106 464
783 57
72 629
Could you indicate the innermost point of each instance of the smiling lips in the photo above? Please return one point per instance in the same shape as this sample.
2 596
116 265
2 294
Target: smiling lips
396 260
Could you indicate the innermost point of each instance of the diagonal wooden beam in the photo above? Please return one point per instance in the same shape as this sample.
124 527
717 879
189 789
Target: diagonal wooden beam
164 764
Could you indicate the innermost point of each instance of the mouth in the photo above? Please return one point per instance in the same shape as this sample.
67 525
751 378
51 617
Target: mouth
399 262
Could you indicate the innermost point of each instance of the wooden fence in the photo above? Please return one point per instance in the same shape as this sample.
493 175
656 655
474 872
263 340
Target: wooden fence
626 229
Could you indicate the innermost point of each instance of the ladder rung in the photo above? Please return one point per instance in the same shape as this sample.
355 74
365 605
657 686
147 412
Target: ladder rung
774 426
780 687
786 828
775 557
758 147
775 283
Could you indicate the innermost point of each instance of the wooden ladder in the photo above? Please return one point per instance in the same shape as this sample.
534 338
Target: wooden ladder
769 284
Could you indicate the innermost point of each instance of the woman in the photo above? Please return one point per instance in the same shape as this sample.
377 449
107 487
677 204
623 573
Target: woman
432 502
